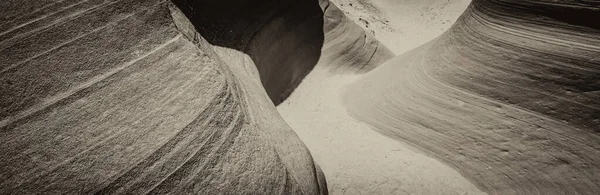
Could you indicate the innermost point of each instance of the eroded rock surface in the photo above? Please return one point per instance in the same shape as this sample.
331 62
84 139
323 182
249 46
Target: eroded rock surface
126 97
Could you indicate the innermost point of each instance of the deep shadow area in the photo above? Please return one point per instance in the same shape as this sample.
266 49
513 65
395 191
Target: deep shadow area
283 37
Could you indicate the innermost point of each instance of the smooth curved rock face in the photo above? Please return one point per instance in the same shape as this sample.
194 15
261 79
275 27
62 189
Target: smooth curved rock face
508 96
125 97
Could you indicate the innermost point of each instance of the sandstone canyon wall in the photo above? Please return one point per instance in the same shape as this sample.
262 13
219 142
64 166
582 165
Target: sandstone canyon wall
508 96
154 96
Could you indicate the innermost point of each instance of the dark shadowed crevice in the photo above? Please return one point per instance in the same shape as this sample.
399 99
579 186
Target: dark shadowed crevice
283 38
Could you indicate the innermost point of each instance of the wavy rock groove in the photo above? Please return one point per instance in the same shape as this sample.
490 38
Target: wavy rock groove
508 96
347 48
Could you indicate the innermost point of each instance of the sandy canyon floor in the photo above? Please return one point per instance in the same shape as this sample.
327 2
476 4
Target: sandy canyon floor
355 158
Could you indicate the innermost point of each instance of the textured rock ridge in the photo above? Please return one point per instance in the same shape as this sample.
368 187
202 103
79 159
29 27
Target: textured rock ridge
508 96
125 97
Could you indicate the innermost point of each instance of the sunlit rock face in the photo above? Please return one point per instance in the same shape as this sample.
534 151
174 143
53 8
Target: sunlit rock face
509 96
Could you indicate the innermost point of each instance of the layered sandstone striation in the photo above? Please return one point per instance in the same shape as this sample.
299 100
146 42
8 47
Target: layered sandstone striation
508 96
138 96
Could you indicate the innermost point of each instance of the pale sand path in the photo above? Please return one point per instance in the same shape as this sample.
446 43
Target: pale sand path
355 158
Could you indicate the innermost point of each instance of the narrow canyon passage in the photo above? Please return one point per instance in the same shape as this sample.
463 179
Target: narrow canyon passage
300 97
355 158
